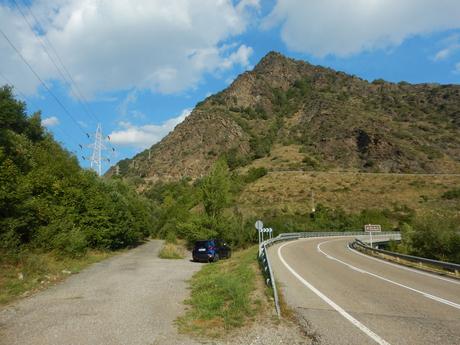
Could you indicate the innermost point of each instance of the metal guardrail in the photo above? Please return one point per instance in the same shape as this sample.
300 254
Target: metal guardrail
268 274
340 234
265 261
448 266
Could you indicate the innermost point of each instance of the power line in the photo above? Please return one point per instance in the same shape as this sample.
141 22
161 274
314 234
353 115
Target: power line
41 81
17 91
45 49
70 81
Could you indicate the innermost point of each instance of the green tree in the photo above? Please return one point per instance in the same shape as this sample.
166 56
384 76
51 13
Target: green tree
215 190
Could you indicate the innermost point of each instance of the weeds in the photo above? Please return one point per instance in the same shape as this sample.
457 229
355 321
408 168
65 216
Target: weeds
26 272
172 251
221 296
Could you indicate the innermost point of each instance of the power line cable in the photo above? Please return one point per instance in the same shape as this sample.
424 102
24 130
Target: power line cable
17 92
67 81
70 81
41 81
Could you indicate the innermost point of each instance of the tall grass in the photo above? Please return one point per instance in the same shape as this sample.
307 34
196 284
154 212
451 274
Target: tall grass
221 296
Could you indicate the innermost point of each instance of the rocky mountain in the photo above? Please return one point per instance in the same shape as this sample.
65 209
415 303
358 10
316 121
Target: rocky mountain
333 121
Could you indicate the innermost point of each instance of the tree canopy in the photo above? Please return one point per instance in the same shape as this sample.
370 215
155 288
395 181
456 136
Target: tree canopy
48 201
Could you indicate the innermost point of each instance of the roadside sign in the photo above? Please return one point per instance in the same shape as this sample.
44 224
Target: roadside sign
259 225
372 228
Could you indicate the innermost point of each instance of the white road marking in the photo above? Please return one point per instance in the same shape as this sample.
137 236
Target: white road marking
427 295
326 299
431 275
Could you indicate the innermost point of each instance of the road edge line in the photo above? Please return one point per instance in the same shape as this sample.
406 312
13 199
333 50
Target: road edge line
428 274
332 304
425 294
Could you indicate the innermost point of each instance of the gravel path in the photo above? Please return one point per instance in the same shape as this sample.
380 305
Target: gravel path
132 298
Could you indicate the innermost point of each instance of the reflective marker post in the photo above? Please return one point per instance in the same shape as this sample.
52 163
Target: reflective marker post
259 226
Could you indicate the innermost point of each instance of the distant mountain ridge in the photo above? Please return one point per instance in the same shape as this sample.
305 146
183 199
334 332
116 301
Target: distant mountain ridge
334 120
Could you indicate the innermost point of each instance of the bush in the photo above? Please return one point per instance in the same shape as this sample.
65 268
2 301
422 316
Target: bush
254 174
452 194
434 236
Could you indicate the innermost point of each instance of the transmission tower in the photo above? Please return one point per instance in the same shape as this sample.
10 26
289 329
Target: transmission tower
98 147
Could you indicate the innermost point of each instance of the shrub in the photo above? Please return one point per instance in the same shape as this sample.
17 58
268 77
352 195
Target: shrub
254 174
452 194
434 236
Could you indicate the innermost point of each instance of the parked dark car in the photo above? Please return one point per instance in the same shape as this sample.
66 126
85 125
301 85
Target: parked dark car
211 250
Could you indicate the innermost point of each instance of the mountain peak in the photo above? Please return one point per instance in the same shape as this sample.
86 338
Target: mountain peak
328 119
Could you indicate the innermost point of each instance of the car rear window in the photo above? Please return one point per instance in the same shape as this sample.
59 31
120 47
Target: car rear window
203 243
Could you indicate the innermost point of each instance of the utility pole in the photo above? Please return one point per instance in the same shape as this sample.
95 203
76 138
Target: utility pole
312 195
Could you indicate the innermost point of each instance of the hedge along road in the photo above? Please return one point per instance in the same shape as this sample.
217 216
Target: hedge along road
132 298
349 298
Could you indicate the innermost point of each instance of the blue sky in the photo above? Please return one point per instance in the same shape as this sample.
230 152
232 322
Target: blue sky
139 67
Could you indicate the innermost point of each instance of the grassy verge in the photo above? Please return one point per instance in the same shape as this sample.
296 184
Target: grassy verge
25 273
173 251
224 296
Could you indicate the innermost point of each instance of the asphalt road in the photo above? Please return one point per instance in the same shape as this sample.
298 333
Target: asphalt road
130 299
349 298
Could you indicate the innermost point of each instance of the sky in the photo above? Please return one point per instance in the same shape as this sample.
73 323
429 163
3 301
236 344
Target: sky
138 67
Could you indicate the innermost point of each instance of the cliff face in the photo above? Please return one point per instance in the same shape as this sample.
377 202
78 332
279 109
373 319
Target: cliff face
335 121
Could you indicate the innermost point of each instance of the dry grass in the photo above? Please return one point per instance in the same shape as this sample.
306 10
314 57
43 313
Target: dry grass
29 272
290 191
281 158
173 251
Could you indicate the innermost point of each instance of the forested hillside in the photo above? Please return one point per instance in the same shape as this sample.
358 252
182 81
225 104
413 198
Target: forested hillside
48 202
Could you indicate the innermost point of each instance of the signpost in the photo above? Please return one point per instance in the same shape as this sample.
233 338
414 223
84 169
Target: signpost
259 226
261 230
370 228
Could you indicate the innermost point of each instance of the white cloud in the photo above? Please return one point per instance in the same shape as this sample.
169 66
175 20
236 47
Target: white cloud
110 45
452 44
130 98
239 57
346 27
442 54
50 121
145 136
457 68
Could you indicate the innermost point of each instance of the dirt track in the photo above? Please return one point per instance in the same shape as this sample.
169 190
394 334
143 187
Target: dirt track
132 298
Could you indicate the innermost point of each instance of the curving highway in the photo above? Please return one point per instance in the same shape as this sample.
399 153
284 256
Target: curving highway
349 298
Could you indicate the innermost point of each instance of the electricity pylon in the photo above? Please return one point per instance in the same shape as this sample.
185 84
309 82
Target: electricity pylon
97 147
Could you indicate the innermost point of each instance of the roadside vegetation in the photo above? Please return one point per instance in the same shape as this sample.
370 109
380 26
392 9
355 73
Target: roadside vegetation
24 273
224 295
204 208
173 249
433 236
